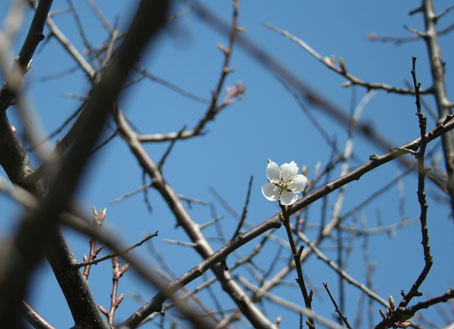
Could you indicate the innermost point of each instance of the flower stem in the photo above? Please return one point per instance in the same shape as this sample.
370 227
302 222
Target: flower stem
296 256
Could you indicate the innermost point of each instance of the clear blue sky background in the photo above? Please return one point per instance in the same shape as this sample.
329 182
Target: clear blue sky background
267 122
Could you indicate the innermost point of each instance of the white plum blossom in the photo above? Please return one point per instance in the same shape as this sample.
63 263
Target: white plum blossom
284 183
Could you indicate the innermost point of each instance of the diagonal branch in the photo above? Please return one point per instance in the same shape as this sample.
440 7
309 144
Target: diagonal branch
249 309
374 162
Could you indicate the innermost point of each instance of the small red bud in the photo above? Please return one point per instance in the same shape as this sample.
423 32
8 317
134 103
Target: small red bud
392 304
103 310
120 299
124 268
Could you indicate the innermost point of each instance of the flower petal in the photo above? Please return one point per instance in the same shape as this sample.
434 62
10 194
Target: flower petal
287 198
270 191
289 170
273 172
299 183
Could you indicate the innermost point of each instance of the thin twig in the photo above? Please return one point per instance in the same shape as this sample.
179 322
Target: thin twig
400 40
400 315
341 272
169 149
337 309
146 198
118 272
291 306
81 29
297 259
104 143
114 254
319 126
369 270
171 86
98 219
100 16
421 197
244 213
213 108
328 62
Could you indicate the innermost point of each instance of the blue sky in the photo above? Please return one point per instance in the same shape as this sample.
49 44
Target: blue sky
266 122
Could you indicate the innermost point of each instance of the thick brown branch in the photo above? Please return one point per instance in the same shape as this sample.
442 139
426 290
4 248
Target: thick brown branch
34 37
39 230
34 318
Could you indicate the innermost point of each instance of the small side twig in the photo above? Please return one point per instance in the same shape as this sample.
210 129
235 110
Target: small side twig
244 213
169 149
444 12
433 301
146 199
98 219
400 40
100 16
145 74
114 301
80 28
370 293
115 254
338 310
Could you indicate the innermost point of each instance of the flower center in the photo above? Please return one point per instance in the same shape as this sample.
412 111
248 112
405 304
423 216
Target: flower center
285 185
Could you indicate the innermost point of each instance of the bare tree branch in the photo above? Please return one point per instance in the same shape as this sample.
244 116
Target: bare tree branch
439 87
40 226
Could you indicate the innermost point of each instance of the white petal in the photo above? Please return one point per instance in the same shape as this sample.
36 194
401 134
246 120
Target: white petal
299 183
273 172
289 170
287 198
270 191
